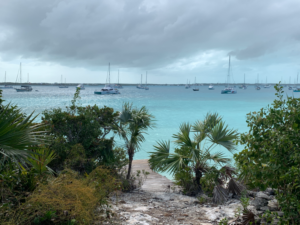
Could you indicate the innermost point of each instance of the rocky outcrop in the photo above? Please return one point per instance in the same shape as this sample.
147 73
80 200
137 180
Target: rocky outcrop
263 202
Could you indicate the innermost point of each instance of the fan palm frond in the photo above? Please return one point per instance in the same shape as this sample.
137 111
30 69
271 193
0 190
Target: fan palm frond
182 138
217 157
221 135
17 134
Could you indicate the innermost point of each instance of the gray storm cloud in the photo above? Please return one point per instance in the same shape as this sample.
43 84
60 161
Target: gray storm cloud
144 34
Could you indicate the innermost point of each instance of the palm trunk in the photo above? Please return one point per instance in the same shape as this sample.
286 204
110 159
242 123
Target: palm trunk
198 177
129 165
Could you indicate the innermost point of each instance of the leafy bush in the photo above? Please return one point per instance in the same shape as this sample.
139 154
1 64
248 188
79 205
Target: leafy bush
66 198
271 156
86 127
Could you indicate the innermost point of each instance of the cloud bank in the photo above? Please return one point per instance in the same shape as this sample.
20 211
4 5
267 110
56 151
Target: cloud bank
149 34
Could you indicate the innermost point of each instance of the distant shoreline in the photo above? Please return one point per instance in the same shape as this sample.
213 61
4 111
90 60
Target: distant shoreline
130 84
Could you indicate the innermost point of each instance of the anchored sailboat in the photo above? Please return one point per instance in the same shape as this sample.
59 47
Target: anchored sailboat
24 88
296 89
228 89
141 85
107 90
118 85
146 88
267 85
5 85
61 84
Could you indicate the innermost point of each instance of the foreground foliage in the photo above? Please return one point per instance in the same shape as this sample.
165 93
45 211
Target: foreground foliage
193 163
271 156
66 198
79 137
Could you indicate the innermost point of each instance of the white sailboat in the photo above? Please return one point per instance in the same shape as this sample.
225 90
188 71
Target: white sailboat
267 85
228 89
62 85
187 86
119 86
81 86
243 86
23 88
146 88
5 85
107 90
141 85
211 87
195 89
296 89
257 85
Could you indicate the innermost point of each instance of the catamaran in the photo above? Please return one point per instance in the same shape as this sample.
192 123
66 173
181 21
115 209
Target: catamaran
107 90
228 89
23 88
5 85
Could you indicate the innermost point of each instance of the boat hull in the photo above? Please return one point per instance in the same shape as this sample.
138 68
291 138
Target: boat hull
106 93
195 89
20 90
228 92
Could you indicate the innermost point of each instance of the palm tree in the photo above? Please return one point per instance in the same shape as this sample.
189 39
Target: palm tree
18 133
132 125
196 154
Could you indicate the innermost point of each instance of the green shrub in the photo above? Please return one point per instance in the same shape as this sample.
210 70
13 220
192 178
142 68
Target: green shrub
271 156
65 199
87 126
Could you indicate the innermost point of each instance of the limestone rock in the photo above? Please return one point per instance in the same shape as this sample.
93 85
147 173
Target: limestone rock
263 195
259 202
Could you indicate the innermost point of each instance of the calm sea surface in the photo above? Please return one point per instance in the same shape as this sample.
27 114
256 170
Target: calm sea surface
171 105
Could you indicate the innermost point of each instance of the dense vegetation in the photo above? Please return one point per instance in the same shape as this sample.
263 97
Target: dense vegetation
271 156
61 170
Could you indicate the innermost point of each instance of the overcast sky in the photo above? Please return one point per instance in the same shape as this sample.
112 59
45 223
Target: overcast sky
174 40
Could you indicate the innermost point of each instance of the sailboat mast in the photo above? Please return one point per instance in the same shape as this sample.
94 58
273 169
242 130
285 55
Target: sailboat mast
109 73
118 77
146 78
20 72
5 77
228 76
27 77
141 79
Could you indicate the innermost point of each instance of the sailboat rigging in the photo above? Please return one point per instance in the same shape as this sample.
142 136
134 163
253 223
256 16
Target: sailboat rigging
228 89
107 90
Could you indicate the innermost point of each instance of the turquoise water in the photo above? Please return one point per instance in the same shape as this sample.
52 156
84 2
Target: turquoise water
171 105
